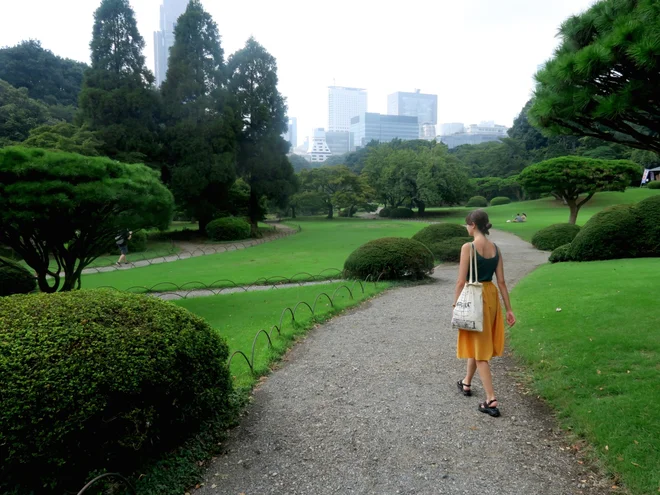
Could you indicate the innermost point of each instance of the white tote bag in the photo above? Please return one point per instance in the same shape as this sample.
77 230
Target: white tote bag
469 311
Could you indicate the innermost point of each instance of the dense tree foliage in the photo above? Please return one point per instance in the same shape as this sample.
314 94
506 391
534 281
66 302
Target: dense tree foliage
19 113
335 187
59 211
570 177
118 100
603 80
64 137
262 160
200 138
417 173
48 78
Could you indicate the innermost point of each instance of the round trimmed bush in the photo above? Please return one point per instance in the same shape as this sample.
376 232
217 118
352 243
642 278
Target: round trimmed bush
439 232
448 250
228 229
561 254
647 213
390 258
9 253
556 235
610 234
477 202
138 242
500 200
15 279
401 213
384 212
100 379
654 184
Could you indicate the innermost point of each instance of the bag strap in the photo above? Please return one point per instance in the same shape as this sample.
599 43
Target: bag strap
473 259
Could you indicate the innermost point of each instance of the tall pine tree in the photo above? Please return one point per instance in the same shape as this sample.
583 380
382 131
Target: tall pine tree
201 130
262 160
118 99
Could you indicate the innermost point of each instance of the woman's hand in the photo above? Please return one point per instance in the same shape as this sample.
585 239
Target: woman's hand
510 318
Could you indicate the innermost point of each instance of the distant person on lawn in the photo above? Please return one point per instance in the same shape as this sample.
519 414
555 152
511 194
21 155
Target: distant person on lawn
122 239
479 347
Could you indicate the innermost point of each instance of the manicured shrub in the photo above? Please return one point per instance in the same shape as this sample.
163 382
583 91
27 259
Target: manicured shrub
390 258
647 213
561 254
654 185
384 212
556 235
448 250
138 242
228 229
500 200
14 279
477 202
9 253
95 380
401 213
610 234
439 232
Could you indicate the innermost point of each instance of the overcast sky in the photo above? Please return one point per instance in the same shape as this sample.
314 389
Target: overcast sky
478 56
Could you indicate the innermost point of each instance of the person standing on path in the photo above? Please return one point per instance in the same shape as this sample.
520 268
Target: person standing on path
122 243
479 347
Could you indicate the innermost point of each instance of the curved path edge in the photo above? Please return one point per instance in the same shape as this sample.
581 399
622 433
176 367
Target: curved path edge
367 404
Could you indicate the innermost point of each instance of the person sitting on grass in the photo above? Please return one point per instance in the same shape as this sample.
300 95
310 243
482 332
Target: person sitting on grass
524 217
122 243
518 218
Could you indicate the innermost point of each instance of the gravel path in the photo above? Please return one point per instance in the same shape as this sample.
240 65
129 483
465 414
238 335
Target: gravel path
367 404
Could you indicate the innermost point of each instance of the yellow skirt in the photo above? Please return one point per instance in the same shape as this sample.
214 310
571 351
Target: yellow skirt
484 345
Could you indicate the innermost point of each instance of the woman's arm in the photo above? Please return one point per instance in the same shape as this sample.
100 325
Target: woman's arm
463 268
501 284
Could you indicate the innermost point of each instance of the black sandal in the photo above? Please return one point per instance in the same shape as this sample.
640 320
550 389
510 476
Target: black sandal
485 407
461 388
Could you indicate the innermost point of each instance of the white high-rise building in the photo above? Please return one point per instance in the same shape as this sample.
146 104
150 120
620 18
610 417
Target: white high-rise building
318 150
343 105
170 12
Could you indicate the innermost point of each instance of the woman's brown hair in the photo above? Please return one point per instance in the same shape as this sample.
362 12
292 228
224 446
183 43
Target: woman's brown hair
479 218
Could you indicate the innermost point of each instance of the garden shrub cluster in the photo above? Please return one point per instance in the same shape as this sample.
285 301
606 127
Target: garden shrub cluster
15 279
477 202
556 235
448 250
621 231
390 258
500 200
654 185
138 242
561 254
398 212
439 232
174 235
228 229
96 380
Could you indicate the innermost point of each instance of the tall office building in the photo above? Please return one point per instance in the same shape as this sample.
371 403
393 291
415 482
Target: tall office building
170 12
343 105
369 127
417 104
291 135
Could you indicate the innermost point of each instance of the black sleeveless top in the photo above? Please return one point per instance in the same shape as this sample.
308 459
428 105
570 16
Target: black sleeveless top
485 266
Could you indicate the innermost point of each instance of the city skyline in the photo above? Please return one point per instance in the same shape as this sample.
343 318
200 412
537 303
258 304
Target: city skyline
479 57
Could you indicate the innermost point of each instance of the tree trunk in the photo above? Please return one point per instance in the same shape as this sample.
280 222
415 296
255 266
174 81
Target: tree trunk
253 212
574 208
330 212
421 207
293 212
202 222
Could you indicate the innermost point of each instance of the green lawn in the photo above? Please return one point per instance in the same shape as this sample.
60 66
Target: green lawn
544 212
239 316
321 245
597 361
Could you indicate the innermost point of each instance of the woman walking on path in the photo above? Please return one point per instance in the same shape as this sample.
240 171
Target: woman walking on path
479 347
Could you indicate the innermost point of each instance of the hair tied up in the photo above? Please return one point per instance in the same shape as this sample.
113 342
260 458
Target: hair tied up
489 226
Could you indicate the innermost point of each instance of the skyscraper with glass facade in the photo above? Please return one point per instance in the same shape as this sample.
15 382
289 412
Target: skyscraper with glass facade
170 11
343 105
417 104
